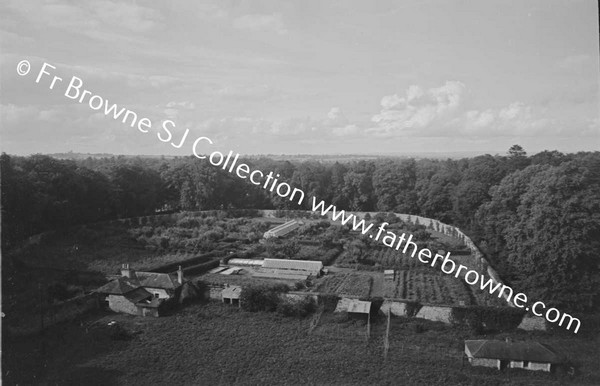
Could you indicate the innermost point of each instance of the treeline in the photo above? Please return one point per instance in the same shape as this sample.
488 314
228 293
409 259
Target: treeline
536 217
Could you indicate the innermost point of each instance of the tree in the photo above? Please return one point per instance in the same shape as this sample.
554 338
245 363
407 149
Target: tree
516 151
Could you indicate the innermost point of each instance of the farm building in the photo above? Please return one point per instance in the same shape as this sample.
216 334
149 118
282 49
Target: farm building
245 262
232 294
359 307
353 306
506 354
140 293
282 230
289 269
312 267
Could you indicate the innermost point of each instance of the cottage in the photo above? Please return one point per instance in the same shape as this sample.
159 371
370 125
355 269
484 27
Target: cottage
507 354
140 293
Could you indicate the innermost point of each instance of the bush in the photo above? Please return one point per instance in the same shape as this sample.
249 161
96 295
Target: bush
189 222
492 318
299 308
262 297
419 328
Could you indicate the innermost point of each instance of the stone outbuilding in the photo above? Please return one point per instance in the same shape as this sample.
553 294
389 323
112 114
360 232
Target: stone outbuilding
232 295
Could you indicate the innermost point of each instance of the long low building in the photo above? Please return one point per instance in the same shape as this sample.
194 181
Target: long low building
281 230
299 266
503 354
245 262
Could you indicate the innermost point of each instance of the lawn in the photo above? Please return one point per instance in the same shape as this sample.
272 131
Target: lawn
217 344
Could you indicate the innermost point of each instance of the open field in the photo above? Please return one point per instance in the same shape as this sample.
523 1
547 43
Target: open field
216 344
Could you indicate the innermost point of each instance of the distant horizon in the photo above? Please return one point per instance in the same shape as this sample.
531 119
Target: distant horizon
429 154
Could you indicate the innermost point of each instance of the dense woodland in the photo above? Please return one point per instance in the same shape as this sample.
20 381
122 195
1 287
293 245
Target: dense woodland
537 217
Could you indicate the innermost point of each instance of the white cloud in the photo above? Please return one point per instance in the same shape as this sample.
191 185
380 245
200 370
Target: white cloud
418 109
173 108
442 112
100 19
260 22
245 91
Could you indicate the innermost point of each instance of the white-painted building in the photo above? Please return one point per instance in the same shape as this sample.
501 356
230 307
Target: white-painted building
507 354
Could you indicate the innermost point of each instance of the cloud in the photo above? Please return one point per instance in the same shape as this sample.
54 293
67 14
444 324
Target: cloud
102 19
443 112
327 128
514 119
261 91
417 109
259 22
173 109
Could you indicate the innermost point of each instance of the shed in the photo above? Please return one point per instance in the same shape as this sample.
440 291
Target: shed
232 294
359 307
507 354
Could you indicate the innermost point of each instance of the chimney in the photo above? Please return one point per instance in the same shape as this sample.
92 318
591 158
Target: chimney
180 275
126 271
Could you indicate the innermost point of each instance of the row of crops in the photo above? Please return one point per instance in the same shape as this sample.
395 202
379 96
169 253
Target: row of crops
427 287
353 284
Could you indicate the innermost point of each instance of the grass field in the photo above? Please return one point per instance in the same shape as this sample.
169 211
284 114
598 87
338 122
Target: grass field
220 345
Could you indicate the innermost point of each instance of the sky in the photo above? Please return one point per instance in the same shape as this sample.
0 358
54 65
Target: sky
302 77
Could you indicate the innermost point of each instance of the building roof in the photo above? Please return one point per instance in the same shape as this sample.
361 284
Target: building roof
388 272
250 262
232 292
231 271
282 229
137 295
359 306
279 274
301 265
118 286
517 351
157 280
124 285
218 269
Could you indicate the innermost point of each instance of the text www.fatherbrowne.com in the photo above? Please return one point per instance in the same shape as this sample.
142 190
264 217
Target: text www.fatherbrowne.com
75 91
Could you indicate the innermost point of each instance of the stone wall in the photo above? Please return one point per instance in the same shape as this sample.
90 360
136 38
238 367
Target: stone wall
119 303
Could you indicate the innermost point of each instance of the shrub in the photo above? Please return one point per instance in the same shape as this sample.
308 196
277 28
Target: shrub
262 297
492 318
419 328
299 308
189 222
